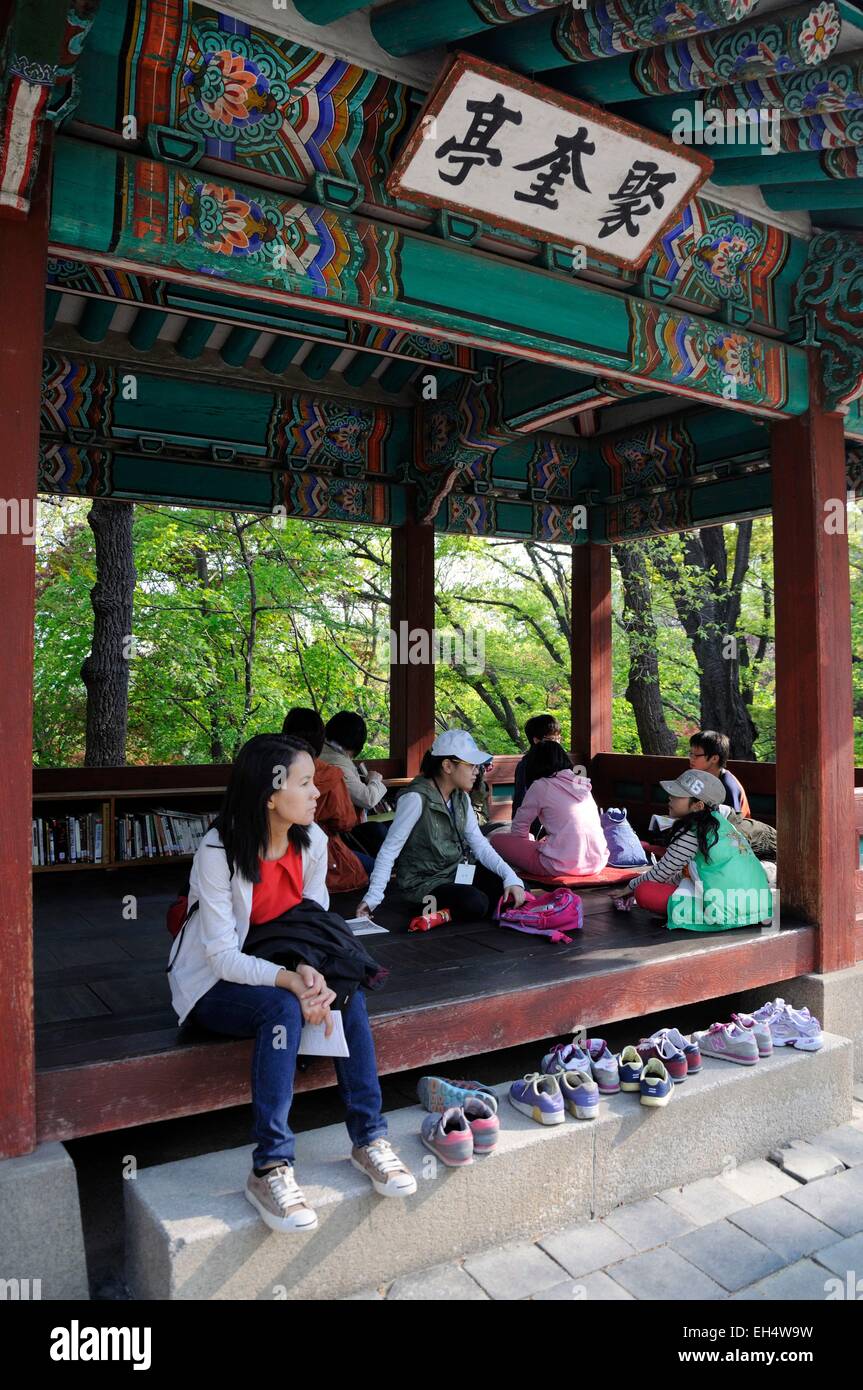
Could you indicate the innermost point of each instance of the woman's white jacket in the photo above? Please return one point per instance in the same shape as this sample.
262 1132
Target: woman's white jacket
211 944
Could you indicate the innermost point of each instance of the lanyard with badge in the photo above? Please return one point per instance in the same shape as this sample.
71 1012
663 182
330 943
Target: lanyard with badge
465 870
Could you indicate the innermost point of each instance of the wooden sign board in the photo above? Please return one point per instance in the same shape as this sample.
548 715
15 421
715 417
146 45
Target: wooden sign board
494 144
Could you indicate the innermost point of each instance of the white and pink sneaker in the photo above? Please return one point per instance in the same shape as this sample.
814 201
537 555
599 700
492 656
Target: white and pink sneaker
761 1030
794 1028
729 1042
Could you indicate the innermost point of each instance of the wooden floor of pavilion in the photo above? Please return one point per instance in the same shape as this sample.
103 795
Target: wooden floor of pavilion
108 1051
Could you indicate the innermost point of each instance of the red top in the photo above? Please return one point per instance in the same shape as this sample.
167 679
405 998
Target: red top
280 888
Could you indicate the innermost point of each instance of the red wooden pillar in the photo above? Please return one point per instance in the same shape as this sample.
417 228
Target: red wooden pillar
23 258
817 852
591 651
412 693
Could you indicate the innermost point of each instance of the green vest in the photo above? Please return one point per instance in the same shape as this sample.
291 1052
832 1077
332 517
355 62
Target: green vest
736 891
432 851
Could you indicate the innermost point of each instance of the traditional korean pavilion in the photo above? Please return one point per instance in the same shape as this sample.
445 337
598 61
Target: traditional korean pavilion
256 257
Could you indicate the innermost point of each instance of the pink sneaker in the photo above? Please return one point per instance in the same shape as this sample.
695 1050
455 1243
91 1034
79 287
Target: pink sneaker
729 1042
763 1036
484 1124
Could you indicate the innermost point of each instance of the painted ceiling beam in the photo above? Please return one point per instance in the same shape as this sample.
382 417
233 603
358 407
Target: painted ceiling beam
146 328
358 371
851 218
95 319
537 398
320 361
238 345
810 197
396 375
793 39
802 136
194 338
327 11
349 266
281 353
409 26
604 29
790 168
41 46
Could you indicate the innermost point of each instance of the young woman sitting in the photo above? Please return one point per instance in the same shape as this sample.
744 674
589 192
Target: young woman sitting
439 850
708 879
574 842
263 858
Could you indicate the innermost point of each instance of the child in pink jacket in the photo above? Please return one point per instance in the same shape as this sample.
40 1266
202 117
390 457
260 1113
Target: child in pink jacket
574 842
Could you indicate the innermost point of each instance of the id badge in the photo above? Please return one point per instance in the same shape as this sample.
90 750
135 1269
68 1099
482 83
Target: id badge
464 873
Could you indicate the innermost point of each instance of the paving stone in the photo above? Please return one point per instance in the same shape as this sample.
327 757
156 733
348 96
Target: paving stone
367 1295
838 1201
586 1247
805 1280
704 1201
730 1256
846 1141
758 1181
664 1274
792 1233
844 1256
592 1288
806 1162
648 1223
513 1271
442 1282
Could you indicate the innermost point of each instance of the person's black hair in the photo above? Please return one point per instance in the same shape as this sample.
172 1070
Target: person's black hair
242 820
347 729
545 760
703 822
712 745
306 724
431 765
540 726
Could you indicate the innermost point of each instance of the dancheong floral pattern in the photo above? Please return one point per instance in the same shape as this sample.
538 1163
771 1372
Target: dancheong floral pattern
223 221
820 33
230 89
723 255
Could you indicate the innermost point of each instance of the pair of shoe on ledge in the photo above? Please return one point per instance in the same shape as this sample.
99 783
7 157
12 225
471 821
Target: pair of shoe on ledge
282 1206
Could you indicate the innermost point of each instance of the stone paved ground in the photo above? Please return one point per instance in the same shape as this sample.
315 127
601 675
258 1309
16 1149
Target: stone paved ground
758 1232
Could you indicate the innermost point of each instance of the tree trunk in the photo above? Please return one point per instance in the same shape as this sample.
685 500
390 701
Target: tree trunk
202 573
105 672
709 612
643 691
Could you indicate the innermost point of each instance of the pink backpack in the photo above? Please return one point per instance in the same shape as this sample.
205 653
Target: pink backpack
545 914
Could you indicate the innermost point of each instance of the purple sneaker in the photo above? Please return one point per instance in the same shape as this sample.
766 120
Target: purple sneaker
449 1136
580 1094
538 1097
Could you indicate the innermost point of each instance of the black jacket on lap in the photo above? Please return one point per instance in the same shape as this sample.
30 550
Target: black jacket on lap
308 933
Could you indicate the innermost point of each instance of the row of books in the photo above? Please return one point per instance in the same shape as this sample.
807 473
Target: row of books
71 839
158 834
84 839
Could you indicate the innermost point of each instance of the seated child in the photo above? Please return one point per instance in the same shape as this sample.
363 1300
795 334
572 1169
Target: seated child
536 731
574 841
708 752
708 879
335 813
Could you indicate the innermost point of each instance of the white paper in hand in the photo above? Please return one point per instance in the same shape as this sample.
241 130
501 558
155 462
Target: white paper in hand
313 1043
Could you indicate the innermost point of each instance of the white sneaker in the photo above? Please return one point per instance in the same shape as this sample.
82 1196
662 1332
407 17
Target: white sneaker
793 1028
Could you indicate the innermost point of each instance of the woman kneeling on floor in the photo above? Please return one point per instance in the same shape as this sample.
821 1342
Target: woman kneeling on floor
263 866
435 842
708 879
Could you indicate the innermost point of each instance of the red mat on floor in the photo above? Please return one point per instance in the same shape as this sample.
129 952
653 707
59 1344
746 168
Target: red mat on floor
600 880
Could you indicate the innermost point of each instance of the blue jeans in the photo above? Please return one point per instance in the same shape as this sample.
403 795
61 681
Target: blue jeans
254 1011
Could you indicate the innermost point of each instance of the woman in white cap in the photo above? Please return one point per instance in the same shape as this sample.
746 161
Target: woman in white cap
708 879
436 844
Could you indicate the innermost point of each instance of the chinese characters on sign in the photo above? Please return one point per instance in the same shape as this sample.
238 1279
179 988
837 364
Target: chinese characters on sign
518 155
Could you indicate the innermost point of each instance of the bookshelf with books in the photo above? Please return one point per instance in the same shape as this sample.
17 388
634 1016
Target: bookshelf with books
120 818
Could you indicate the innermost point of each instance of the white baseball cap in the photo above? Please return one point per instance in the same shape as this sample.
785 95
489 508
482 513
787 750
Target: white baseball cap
458 743
702 786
